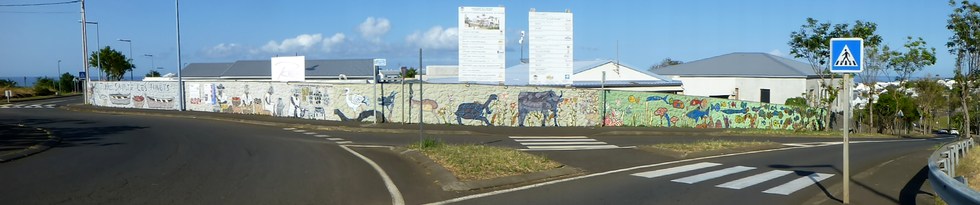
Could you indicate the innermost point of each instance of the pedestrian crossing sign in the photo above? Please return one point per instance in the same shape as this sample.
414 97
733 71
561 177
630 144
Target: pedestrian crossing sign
846 55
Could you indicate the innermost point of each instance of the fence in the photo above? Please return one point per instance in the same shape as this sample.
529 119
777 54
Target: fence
942 169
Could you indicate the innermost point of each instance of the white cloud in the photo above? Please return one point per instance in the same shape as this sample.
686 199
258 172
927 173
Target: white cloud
223 50
333 41
373 28
776 52
303 42
435 38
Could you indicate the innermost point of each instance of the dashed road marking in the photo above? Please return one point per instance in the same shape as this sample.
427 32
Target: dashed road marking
797 184
547 143
344 142
712 174
310 133
288 128
321 135
754 179
335 139
675 170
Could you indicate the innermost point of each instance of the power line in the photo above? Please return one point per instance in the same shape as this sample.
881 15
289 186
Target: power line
40 4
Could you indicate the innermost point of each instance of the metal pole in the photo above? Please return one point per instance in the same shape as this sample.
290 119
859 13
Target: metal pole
375 88
98 55
85 54
603 84
59 78
180 81
419 73
847 122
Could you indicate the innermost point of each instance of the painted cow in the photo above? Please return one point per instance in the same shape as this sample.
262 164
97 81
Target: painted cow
545 102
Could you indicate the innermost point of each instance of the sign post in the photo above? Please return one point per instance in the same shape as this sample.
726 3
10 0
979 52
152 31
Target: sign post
377 64
7 93
846 57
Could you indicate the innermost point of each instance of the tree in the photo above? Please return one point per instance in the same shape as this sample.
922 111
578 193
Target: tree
666 62
964 22
796 101
153 73
812 43
930 98
43 86
410 73
66 82
7 83
112 62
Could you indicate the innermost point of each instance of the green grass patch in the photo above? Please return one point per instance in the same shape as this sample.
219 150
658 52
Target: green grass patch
475 162
804 133
969 167
709 145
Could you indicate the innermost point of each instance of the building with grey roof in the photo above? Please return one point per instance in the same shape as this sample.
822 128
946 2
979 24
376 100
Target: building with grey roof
316 70
586 74
759 77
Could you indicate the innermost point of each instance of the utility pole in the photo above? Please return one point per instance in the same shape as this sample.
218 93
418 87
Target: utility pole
85 53
180 82
58 76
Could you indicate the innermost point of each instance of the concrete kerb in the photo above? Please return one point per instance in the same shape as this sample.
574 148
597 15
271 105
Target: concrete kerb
33 149
449 181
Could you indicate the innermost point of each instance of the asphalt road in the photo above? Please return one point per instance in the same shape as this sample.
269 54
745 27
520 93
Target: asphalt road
120 159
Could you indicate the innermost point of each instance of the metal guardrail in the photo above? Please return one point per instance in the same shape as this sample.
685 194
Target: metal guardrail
942 170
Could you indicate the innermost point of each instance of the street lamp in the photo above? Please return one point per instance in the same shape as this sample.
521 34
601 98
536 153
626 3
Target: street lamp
59 80
98 42
153 64
130 56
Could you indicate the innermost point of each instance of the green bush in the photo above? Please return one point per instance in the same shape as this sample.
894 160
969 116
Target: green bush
797 101
43 86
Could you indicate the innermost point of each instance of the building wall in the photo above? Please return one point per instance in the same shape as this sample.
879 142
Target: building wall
135 94
708 86
479 105
780 89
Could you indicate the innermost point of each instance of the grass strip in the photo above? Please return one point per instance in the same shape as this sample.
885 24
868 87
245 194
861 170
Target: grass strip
708 145
808 133
475 162
969 167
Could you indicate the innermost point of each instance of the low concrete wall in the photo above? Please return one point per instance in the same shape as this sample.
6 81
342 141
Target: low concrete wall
128 94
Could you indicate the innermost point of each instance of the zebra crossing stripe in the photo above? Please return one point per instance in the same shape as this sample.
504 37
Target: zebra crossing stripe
561 143
549 143
321 135
675 170
754 179
551 137
797 184
583 147
712 174
552 140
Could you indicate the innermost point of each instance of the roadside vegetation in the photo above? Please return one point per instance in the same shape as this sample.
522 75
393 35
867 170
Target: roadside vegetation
969 168
708 146
475 162
43 87
812 133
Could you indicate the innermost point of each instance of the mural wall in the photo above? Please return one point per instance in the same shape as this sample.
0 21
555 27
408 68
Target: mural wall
478 105
143 95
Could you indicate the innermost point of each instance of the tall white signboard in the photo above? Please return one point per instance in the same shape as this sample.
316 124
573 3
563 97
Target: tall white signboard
551 47
481 44
291 68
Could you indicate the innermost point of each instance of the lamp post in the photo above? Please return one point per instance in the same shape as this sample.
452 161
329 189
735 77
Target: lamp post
130 56
85 54
59 80
98 42
153 63
180 83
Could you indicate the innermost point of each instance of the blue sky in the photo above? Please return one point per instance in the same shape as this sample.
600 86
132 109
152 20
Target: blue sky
35 38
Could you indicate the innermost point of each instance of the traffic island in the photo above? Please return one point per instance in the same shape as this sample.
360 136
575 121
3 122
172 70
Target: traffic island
703 148
20 141
472 167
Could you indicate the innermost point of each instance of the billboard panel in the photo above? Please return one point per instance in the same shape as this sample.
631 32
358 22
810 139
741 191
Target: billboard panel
481 44
291 68
551 48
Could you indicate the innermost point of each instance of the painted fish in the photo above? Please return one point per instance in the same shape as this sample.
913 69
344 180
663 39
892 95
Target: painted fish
656 98
697 114
678 104
695 102
733 111
716 107
633 99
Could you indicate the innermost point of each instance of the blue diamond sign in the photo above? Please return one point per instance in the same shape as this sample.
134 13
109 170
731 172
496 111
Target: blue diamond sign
846 55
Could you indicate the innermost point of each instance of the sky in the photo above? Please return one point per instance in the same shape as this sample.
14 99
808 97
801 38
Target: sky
639 33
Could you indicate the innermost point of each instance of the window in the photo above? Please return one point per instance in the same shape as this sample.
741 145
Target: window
764 96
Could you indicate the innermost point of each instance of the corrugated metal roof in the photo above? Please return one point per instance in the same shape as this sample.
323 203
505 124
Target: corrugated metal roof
741 65
204 69
262 69
519 75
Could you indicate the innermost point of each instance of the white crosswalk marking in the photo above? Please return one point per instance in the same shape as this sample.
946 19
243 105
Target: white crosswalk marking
335 139
754 179
321 135
796 185
544 143
712 175
26 106
675 170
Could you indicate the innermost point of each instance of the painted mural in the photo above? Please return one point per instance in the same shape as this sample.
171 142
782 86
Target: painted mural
459 104
142 95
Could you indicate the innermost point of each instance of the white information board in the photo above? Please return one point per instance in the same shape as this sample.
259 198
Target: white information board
290 68
551 48
481 44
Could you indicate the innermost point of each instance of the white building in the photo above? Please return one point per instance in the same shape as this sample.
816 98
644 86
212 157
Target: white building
586 74
759 77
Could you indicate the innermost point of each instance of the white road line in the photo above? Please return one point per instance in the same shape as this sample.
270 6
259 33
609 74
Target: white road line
288 128
310 133
344 142
396 196
675 170
574 147
754 179
335 138
561 143
712 175
557 140
299 130
553 137
797 184
321 135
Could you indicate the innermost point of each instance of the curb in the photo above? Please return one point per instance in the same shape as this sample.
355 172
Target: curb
33 149
277 124
449 181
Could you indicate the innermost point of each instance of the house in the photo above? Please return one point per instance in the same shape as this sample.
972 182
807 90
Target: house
759 77
586 74
337 71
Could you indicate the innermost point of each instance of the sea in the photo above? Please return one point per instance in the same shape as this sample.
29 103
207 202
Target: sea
28 81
